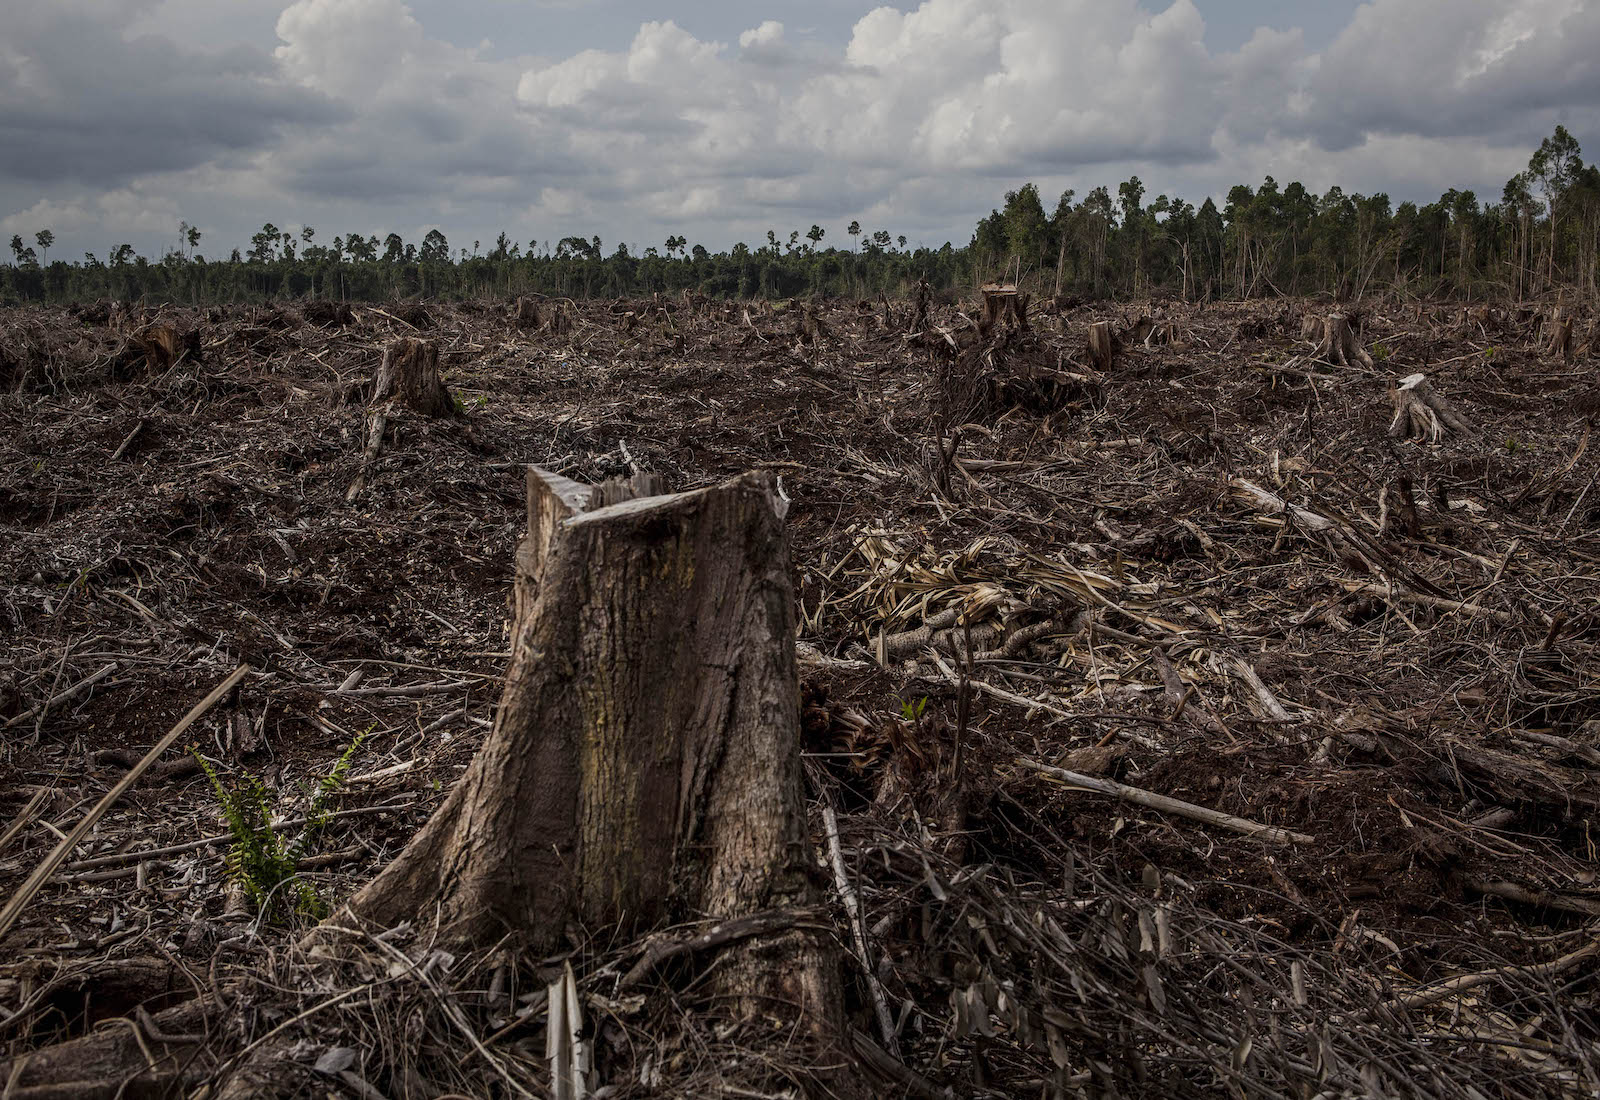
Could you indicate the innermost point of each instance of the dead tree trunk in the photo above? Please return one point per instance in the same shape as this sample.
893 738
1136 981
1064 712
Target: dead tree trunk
1102 346
410 372
644 765
1421 413
1339 347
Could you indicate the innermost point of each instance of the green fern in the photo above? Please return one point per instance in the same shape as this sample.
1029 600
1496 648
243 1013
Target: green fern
260 860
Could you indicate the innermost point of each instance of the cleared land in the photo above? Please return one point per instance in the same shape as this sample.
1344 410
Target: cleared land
1218 568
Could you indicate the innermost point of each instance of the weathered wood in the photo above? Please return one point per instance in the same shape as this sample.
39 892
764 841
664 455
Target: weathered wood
1339 346
644 764
1102 346
143 1058
410 374
1422 413
1174 806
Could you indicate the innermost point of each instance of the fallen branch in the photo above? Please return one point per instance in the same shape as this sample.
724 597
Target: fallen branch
61 697
1161 802
858 930
19 901
1533 971
723 932
1544 899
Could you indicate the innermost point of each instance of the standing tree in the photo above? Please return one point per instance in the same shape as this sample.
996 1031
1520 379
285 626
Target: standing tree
44 239
854 230
264 245
435 248
1553 167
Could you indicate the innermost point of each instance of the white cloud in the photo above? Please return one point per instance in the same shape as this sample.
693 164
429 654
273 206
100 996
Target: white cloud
359 113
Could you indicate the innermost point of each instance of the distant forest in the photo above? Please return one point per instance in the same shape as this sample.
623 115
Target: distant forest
1543 233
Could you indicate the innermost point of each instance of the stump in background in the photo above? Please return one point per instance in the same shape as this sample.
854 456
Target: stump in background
1339 346
921 301
644 765
410 373
560 319
1003 304
1102 346
1560 341
527 314
1421 413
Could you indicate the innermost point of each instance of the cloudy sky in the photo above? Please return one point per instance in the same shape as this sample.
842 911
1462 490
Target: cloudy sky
720 119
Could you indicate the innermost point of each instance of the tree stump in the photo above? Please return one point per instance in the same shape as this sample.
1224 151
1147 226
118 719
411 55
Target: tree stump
1339 347
1102 346
527 314
1421 413
1559 345
644 764
410 374
921 302
1003 304
808 325
560 319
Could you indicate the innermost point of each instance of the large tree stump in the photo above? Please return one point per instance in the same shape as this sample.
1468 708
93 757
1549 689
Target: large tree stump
1421 413
410 373
1339 347
1102 346
644 763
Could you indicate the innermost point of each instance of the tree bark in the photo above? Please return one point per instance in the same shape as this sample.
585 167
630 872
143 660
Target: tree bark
644 764
410 373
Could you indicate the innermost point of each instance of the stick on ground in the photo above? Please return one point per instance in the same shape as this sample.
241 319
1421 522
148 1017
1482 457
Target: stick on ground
19 901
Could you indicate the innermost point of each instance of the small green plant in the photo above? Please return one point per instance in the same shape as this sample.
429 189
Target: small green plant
1489 353
261 860
912 712
1380 351
1513 444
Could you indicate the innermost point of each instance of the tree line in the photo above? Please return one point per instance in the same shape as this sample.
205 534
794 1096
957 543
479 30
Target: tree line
1543 233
